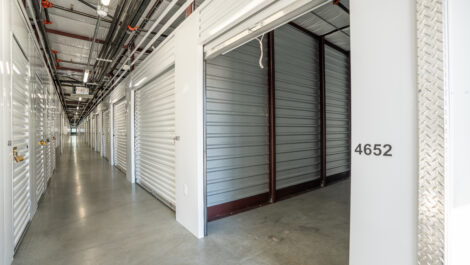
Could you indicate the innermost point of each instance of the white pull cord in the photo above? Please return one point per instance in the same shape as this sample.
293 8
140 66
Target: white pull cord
261 51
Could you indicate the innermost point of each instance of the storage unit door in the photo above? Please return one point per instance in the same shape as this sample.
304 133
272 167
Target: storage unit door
39 140
20 141
107 134
98 132
120 135
53 136
154 134
48 137
237 126
297 101
93 136
338 102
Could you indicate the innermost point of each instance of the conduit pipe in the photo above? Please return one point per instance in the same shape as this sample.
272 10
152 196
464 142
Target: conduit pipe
162 30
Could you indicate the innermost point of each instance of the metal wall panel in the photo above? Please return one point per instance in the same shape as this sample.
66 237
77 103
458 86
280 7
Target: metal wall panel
236 125
39 136
107 134
154 137
297 101
120 135
338 98
20 141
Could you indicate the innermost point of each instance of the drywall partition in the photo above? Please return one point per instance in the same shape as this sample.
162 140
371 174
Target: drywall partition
252 20
459 123
384 110
189 148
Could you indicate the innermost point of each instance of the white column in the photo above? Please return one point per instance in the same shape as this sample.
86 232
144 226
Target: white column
189 126
459 83
384 111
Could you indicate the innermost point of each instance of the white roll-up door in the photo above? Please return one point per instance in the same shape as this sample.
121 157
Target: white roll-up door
98 132
48 136
120 135
93 131
39 139
20 140
297 101
107 134
236 125
52 132
338 98
154 137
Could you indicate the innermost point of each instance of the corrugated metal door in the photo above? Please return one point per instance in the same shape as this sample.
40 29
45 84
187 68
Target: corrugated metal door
93 133
107 134
52 133
236 125
120 135
48 136
20 140
338 98
39 139
297 94
154 137
98 132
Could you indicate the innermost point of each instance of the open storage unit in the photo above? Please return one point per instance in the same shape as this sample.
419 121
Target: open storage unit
277 117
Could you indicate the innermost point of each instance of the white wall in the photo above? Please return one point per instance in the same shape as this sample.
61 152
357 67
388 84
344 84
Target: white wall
384 111
189 126
459 82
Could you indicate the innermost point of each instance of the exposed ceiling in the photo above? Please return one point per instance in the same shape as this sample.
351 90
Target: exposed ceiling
329 21
70 29
69 32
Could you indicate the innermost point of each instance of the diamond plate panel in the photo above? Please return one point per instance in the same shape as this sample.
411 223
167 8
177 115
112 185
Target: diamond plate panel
432 106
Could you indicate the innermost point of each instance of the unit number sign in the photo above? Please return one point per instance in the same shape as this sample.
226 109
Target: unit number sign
374 149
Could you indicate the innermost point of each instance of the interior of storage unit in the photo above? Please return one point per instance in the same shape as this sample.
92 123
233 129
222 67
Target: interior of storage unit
277 117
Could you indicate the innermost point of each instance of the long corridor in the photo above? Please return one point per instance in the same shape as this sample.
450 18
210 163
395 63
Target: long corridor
91 214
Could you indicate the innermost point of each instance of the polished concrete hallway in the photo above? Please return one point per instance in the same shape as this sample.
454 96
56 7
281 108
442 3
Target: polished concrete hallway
91 214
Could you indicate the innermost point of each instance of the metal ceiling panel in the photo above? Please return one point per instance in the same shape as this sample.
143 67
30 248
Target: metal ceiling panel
333 14
340 39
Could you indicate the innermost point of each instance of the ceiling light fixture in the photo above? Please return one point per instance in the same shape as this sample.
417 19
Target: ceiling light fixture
85 76
105 2
102 10
80 99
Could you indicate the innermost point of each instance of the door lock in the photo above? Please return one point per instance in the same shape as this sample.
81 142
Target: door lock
18 158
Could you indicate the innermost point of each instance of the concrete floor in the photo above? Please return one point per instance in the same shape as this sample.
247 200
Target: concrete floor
91 214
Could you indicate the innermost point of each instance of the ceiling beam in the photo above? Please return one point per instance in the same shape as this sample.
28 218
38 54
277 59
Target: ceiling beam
71 62
70 10
69 69
72 35
85 38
